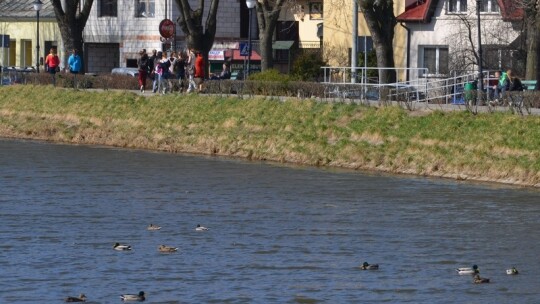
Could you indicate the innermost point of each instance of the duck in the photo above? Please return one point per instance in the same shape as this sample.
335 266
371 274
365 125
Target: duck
512 270
478 280
80 298
201 228
163 248
153 227
367 266
120 247
133 297
468 270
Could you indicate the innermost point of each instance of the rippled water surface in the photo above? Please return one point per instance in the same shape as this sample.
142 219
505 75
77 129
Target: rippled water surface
278 234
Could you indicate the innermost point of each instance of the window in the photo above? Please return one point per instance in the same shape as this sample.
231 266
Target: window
315 10
498 57
436 60
364 43
12 52
146 8
489 6
27 54
108 8
456 6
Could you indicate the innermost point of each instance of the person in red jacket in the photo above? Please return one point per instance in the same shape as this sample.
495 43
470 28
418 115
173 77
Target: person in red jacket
52 64
199 70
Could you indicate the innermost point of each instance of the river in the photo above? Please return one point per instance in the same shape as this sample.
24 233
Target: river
278 234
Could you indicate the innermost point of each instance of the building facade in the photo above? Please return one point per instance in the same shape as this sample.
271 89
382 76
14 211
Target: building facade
443 36
18 29
338 34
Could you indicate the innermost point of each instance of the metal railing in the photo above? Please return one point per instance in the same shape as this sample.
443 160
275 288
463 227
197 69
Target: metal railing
14 75
458 87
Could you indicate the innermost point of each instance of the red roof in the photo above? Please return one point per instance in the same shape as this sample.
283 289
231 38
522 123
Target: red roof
422 10
254 55
511 10
417 11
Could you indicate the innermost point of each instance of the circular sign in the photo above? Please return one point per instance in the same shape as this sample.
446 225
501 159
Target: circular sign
166 28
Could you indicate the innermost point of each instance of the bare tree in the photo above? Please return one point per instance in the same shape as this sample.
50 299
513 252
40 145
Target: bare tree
532 23
497 37
267 17
380 19
198 37
71 20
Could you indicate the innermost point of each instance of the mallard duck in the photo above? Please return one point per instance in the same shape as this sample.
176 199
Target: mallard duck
132 297
478 280
201 228
367 266
512 270
163 248
468 270
119 247
152 227
80 298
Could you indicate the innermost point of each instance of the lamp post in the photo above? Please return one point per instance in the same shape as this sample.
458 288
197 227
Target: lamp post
480 84
37 7
250 5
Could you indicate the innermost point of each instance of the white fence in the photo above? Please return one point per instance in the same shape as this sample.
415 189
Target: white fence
457 88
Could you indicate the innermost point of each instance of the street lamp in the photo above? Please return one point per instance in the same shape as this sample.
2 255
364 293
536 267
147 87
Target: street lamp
480 84
250 5
37 7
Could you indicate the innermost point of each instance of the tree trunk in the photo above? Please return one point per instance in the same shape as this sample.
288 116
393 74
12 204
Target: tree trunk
198 37
267 61
537 51
71 21
267 18
381 21
532 45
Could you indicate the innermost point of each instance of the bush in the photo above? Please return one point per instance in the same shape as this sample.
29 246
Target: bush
307 67
270 75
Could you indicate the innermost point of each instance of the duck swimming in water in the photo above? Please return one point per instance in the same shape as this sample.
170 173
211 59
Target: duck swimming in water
132 297
120 247
80 298
201 228
153 227
478 280
367 266
163 248
468 270
512 270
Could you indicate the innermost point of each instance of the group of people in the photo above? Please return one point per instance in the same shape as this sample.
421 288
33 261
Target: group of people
505 81
186 68
52 64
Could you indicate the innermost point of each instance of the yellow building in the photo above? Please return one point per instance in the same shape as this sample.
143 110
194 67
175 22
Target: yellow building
18 29
338 29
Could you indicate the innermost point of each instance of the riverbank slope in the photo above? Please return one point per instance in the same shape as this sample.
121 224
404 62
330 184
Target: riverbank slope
497 147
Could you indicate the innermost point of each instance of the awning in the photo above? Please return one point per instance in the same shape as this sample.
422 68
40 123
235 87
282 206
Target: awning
282 45
254 55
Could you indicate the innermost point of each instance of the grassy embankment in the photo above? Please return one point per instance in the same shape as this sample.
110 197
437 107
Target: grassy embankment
493 147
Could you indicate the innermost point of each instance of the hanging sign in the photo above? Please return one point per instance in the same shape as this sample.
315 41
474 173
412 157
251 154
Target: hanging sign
166 28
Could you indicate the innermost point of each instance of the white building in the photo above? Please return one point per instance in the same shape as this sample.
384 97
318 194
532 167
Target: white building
442 35
118 29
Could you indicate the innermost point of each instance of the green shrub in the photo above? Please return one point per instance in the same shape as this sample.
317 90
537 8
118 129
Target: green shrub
371 62
270 75
307 67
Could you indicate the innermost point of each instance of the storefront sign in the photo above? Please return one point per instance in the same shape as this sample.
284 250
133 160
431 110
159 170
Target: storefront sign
216 55
166 28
